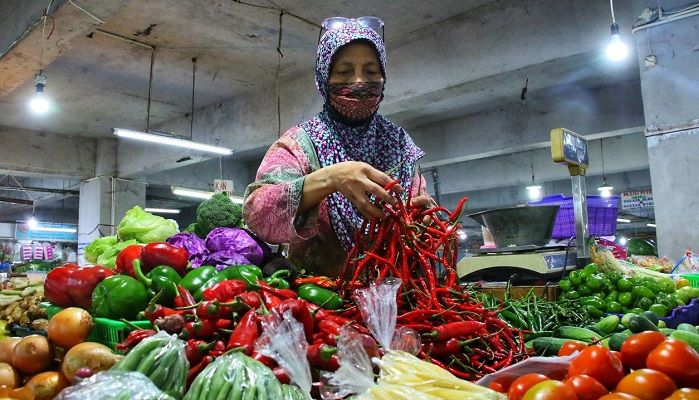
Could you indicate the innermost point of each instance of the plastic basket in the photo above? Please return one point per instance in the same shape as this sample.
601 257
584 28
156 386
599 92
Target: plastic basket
601 215
692 278
105 331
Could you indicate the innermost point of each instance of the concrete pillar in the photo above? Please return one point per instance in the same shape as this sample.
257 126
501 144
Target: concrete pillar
668 56
103 202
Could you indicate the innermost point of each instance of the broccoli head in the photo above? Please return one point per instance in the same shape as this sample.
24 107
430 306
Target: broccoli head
216 212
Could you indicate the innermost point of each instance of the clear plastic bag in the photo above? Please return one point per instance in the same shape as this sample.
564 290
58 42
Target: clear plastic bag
549 366
162 359
114 385
379 309
283 340
235 375
688 264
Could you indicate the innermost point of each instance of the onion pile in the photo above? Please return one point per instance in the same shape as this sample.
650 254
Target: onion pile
32 354
70 327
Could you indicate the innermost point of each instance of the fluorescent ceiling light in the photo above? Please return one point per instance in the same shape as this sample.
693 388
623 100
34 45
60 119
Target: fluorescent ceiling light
171 141
650 225
534 191
32 223
200 194
49 229
624 220
163 210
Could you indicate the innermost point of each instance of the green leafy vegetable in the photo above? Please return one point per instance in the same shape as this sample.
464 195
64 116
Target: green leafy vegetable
218 211
145 227
99 246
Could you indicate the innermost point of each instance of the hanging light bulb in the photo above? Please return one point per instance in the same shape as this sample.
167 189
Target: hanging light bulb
605 190
616 49
32 223
39 103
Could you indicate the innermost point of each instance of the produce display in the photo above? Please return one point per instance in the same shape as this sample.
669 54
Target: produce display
229 320
19 304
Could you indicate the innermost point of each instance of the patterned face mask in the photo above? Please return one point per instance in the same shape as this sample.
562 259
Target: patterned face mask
356 101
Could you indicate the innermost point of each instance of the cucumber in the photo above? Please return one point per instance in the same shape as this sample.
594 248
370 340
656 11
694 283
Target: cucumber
652 317
604 342
661 324
607 325
534 335
639 323
594 329
617 339
690 338
577 333
687 328
548 346
666 331
626 318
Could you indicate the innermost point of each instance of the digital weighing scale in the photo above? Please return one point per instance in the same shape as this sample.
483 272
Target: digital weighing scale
519 226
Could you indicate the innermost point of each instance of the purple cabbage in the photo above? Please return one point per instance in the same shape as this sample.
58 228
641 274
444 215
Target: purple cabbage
195 246
232 246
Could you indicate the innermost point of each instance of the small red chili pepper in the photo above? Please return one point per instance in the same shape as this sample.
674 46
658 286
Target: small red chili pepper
205 328
224 324
455 329
212 309
188 331
322 356
281 375
250 299
281 293
196 349
269 300
225 290
267 361
245 333
299 310
194 371
322 281
218 349
135 337
184 298
329 327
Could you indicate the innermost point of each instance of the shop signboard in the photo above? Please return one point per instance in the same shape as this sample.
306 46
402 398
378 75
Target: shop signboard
637 200
47 232
223 186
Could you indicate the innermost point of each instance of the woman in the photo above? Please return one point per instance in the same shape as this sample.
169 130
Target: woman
317 182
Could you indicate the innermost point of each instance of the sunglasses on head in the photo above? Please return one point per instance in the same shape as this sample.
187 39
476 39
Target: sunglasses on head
374 23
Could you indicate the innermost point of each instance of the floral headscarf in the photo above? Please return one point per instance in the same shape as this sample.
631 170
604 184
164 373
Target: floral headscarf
380 143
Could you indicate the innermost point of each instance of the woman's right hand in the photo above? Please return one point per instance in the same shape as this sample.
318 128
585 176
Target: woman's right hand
357 180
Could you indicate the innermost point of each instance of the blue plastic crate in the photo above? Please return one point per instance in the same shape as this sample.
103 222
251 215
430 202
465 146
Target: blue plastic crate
601 215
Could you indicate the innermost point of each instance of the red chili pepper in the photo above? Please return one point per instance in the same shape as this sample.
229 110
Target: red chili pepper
156 254
135 337
218 349
245 333
194 371
224 324
299 310
211 309
270 301
124 261
267 361
154 311
225 290
322 281
281 375
196 349
205 328
250 299
184 298
188 331
281 293
455 329
322 356
329 327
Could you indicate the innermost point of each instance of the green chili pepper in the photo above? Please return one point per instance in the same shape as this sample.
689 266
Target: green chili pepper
320 296
196 278
250 274
276 280
158 282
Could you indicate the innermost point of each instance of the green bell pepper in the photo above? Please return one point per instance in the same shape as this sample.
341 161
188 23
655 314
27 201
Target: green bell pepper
196 278
250 274
119 296
158 280
320 296
276 280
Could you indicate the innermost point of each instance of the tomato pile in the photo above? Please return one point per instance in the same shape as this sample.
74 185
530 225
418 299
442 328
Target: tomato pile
649 367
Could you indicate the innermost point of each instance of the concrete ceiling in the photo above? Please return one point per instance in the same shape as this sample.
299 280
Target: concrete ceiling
99 82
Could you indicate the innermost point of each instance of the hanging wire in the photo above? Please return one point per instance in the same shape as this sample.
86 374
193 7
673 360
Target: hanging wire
150 88
601 150
611 5
280 55
191 113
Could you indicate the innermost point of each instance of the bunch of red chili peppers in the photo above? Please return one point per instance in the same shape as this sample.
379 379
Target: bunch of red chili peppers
418 245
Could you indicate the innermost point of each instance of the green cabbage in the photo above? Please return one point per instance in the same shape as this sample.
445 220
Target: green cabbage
99 246
145 227
108 258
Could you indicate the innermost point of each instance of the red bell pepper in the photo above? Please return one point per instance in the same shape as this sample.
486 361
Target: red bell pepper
124 261
156 254
56 283
82 282
70 285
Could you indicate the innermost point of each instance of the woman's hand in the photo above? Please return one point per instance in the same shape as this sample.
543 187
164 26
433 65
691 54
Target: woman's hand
357 180
423 201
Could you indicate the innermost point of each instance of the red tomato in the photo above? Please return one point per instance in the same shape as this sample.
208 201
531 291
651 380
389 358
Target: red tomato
684 394
677 360
520 385
571 347
599 363
647 384
497 386
550 390
618 396
586 387
635 349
